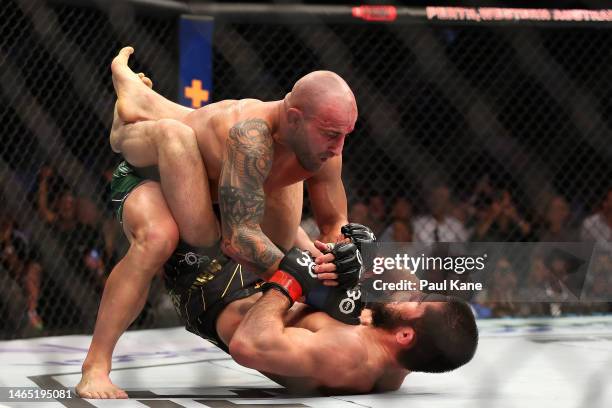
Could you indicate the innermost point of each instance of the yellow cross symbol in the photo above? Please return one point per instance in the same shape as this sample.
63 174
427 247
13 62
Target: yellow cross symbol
196 93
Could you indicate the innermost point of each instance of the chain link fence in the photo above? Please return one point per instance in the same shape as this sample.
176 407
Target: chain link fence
465 133
59 239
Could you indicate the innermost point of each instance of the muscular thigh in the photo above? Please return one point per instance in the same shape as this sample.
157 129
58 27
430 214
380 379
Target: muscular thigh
283 213
146 214
136 142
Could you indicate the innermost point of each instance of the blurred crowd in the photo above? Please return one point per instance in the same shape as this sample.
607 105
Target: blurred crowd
72 236
536 283
82 233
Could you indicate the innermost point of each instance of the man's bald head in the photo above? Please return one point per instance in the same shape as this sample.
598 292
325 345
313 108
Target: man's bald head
319 112
320 91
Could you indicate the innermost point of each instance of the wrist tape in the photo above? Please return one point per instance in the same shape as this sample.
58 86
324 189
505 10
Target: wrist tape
286 284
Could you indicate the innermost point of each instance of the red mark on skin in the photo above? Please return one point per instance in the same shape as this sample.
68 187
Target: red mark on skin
329 120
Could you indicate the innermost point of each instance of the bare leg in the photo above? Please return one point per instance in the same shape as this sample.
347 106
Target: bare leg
148 221
133 137
184 182
172 146
153 236
137 101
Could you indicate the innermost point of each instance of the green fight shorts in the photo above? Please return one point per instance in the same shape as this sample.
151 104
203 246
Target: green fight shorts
124 181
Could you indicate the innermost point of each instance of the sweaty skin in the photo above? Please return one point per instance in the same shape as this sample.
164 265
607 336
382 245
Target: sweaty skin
306 350
255 153
253 158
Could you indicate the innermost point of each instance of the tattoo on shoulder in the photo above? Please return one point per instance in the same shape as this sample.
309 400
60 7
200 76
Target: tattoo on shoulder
250 151
247 162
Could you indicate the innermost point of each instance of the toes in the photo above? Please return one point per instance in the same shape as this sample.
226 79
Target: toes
122 58
147 81
126 51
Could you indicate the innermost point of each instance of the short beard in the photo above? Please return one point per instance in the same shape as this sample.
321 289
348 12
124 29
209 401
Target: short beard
383 317
310 167
298 144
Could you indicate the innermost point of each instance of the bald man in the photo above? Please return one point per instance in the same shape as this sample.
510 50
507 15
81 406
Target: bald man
249 156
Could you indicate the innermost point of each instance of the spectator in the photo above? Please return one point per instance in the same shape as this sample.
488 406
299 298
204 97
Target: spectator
544 287
500 220
598 227
87 213
599 292
53 184
359 213
19 257
401 218
402 231
502 289
463 211
556 228
439 225
378 213
83 244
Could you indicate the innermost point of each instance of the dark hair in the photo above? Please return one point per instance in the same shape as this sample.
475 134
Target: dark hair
446 338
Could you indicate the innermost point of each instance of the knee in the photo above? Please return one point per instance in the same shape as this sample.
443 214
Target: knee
174 134
115 141
156 241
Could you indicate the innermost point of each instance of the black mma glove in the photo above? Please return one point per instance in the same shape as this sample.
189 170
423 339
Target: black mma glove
359 234
295 276
344 305
347 259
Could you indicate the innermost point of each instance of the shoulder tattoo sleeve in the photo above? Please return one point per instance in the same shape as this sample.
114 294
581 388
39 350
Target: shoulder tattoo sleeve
247 162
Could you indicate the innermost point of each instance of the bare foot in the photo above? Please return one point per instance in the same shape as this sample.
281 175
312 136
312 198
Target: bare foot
97 385
118 123
145 80
133 99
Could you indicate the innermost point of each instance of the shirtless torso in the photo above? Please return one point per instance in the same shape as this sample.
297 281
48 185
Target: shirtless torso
283 187
249 156
254 153
356 367
212 126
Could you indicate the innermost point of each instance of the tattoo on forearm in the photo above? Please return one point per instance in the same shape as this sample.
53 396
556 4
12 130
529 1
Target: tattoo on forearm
247 162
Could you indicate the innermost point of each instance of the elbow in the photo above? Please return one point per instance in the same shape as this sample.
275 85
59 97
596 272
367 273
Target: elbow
244 352
228 247
251 350
232 243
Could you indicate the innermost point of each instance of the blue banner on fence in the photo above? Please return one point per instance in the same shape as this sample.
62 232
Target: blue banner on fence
195 67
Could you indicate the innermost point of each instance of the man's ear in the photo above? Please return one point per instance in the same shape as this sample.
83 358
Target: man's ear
294 116
405 336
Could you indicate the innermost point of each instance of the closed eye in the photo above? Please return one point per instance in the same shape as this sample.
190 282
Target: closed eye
332 135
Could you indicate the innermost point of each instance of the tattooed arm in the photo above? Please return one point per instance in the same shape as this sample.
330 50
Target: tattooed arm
246 164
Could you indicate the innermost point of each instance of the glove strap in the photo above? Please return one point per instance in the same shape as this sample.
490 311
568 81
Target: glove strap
287 284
